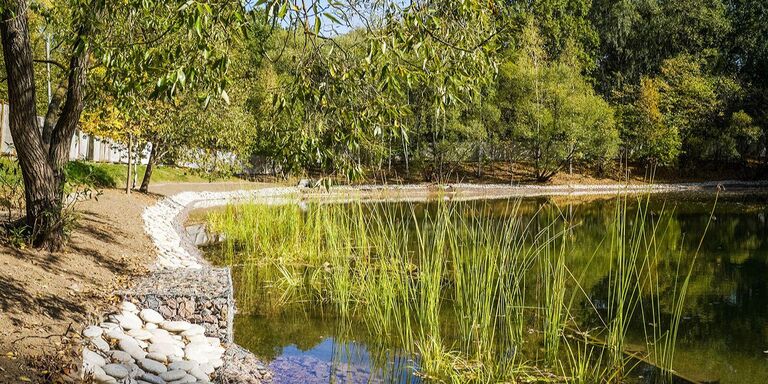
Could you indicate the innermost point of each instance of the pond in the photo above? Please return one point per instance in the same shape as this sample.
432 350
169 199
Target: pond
540 289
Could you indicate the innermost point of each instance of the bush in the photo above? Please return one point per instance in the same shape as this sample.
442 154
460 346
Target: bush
80 172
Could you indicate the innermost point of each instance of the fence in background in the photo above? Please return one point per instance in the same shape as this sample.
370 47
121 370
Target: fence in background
84 146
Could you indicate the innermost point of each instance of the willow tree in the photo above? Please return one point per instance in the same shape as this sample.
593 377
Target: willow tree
130 40
171 45
344 98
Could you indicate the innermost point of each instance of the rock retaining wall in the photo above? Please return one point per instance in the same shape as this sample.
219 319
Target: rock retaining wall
199 296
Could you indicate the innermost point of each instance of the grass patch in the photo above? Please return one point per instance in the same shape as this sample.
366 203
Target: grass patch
108 175
112 175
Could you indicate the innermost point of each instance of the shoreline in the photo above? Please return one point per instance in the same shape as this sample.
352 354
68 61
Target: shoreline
164 221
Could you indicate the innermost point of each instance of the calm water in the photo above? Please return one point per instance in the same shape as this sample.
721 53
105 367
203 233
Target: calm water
723 335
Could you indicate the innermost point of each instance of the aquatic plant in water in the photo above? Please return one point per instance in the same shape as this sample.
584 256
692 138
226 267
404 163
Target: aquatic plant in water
474 294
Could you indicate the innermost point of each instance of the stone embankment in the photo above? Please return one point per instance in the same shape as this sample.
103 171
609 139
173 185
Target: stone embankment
175 325
142 346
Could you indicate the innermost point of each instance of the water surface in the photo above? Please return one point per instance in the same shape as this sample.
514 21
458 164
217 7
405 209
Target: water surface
723 334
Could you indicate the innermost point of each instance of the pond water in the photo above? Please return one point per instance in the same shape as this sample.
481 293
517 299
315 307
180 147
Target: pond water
295 322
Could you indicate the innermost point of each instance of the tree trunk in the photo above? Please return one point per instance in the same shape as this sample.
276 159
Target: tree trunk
41 158
42 206
150 167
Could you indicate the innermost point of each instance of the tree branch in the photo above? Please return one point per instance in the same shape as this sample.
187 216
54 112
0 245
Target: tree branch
54 62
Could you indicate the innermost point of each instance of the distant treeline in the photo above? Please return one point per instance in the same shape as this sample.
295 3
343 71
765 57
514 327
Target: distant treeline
572 83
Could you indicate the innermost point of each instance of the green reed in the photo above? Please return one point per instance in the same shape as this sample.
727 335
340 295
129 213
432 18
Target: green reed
453 284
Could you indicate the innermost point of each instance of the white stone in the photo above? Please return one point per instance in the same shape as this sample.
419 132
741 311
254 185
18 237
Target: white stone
151 379
152 366
214 341
118 371
151 316
93 331
108 325
136 371
173 375
101 377
198 352
129 320
139 334
184 365
195 329
158 338
132 348
166 349
175 326
116 334
158 357
207 368
121 357
100 344
216 362
198 374
92 359
174 358
127 306
198 339
159 332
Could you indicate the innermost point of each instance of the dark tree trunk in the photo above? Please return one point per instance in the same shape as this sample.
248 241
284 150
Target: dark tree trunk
42 207
150 167
41 157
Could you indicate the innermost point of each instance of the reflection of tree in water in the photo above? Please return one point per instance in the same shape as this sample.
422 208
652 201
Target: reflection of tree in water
267 336
727 300
355 356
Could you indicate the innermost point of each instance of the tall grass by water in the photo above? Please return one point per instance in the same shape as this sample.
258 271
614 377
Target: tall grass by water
475 295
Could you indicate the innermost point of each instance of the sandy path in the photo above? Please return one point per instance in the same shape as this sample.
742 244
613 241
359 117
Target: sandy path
42 293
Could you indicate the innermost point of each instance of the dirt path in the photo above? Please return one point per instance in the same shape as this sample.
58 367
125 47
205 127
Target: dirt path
169 189
43 294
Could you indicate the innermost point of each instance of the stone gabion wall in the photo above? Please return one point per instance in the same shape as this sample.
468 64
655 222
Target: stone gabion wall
199 296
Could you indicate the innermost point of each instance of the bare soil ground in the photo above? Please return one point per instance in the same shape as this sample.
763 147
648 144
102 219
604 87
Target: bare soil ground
47 298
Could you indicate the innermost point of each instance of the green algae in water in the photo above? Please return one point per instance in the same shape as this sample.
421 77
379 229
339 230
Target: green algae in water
488 291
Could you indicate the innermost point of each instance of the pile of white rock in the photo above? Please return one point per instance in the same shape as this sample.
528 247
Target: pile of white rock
141 347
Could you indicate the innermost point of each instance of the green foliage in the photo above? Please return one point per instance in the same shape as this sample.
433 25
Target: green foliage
646 134
565 28
696 103
347 99
637 36
555 112
342 89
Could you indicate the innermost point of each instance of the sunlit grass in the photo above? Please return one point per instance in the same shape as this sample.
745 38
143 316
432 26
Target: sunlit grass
473 296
